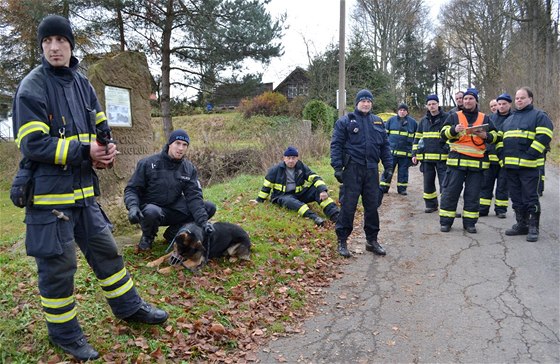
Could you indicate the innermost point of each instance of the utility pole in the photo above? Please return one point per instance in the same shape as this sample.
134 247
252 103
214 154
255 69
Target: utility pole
342 61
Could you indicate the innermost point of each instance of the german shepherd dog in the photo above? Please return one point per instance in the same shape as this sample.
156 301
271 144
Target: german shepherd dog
192 247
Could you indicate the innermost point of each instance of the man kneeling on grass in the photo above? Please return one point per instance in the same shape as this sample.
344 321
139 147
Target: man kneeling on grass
294 185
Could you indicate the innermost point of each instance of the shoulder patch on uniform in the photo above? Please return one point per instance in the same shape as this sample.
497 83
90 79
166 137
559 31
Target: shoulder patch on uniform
378 122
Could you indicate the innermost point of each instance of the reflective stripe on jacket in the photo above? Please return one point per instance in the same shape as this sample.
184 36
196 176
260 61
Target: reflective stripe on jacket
468 154
526 134
428 145
275 181
401 135
54 110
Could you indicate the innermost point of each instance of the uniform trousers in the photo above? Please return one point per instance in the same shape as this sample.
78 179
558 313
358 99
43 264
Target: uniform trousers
89 228
495 175
364 182
430 170
298 201
455 178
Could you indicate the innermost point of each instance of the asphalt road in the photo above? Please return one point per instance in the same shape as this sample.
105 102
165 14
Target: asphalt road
439 297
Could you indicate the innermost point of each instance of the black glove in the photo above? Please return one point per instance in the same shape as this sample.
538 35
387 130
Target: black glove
338 176
135 215
208 228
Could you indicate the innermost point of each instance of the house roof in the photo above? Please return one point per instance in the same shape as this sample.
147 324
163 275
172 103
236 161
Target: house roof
298 73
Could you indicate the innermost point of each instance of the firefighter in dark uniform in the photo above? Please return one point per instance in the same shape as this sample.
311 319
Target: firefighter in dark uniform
293 185
431 151
495 174
526 135
56 117
164 191
465 162
358 144
401 129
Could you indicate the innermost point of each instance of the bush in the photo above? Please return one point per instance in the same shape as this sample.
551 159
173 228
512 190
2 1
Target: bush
296 106
321 115
267 104
310 144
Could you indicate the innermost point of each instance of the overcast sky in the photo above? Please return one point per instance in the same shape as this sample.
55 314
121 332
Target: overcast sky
316 21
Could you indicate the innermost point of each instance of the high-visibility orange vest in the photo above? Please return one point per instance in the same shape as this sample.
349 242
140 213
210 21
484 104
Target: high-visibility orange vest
469 144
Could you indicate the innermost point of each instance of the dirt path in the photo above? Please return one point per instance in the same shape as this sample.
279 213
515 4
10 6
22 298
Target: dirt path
439 297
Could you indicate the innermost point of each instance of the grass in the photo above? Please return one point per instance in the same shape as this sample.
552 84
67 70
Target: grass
262 296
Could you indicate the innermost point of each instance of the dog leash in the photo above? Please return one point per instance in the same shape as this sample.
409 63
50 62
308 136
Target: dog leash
173 241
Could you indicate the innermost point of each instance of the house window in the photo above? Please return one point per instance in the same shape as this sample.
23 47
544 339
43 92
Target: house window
292 91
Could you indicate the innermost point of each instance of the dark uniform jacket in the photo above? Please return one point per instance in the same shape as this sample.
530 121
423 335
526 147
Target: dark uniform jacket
165 182
495 152
526 134
361 139
401 135
54 113
275 181
460 160
428 145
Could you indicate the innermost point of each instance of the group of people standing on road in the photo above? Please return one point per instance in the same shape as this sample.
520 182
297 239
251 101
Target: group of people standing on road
57 118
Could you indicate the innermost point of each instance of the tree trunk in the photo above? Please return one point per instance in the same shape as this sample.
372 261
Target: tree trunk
166 72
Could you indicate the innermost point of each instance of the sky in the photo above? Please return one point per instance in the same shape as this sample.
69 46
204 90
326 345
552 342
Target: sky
314 21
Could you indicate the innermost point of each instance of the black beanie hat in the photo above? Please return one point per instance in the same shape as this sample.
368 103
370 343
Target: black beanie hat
291 152
403 106
179 134
54 25
364 95
505 97
432 97
473 92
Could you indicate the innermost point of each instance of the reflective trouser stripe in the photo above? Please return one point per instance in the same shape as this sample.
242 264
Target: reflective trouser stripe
119 291
113 279
470 214
485 201
446 213
61 318
326 202
303 209
430 196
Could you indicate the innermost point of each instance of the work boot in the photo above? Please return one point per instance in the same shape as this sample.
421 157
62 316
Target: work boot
375 247
403 192
313 216
145 243
501 215
533 234
470 229
521 227
81 350
147 314
429 210
445 228
343 249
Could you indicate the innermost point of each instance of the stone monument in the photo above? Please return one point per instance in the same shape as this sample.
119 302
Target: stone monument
123 84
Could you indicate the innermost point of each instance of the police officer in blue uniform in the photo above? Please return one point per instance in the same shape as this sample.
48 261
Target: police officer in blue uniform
359 142
56 117
164 191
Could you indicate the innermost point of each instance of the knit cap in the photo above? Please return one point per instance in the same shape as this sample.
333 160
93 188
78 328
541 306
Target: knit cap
363 95
505 97
291 152
179 134
432 97
54 25
403 106
473 92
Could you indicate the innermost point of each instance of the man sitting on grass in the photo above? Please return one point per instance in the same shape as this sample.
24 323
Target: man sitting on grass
293 185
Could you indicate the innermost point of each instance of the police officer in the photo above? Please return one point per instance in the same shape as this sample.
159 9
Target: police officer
401 129
292 184
56 116
495 174
431 151
164 190
465 162
358 143
526 135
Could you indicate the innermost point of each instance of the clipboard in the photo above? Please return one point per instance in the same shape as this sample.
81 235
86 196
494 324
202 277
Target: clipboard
473 129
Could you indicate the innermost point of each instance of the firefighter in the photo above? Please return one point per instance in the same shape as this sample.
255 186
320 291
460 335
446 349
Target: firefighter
56 116
526 135
465 162
431 151
359 142
293 185
495 174
401 130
